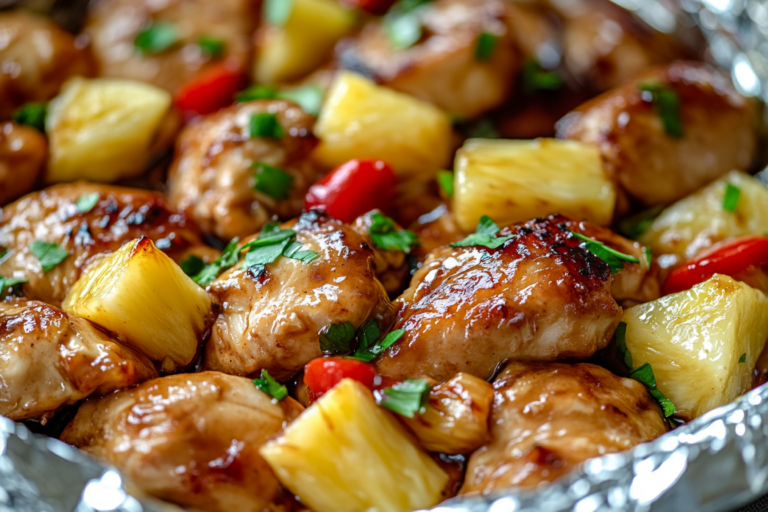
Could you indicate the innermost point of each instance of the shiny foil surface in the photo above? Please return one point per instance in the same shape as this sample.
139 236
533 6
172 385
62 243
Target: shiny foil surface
717 462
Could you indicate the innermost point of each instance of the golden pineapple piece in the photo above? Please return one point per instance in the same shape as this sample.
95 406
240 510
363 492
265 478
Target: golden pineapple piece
141 295
456 418
360 119
302 42
699 221
694 340
103 129
517 180
346 454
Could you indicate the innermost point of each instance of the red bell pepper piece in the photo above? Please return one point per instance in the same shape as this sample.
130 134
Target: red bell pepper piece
322 374
210 91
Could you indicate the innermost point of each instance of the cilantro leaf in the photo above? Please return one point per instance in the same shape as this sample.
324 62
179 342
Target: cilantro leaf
484 235
48 253
337 338
743 358
270 386
228 258
385 236
7 282
485 46
156 37
211 46
633 227
266 125
257 92
294 251
610 256
87 202
369 333
265 254
407 398
277 12
667 105
192 265
371 352
32 114
272 181
731 197
445 180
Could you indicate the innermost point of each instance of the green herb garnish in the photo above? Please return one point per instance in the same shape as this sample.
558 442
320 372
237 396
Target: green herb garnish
648 255
228 258
536 78
156 37
308 97
731 197
667 105
633 227
407 398
485 46
192 265
270 386
484 236
743 358
277 12
257 92
265 254
337 338
402 23
385 236
272 181
87 202
32 114
612 257
7 282
266 125
48 253
370 352
211 46
295 252
445 180
368 335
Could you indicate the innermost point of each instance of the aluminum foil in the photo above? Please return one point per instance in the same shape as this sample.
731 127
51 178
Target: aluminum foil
717 462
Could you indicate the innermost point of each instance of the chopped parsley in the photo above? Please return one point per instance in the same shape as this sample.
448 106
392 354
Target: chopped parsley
743 358
295 251
156 37
407 398
484 235
536 78
87 202
368 335
612 257
272 181
402 23
266 125
337 338
485 46
228 258
445 180
48 253
633 227
270 386
308 97
7 282
731 197
667 105
32 114
367 352
192 265
643 374
265 254
277 12
211 46
385 236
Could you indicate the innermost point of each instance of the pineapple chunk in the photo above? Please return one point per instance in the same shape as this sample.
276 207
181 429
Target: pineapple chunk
141 295
345 454
516 180
363 120
303 42
694 340
103 129
699 221
456 418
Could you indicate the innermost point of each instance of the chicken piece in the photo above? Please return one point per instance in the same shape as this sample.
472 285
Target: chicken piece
436 229
652 166
49 359
22 160
36 58
192 439
390 266
469 309
213 175
113 26
272 321
442 67
119 215
549 417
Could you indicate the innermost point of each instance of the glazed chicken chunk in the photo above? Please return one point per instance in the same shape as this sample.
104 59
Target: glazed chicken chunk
655 164
549 417
119 31
37 57
86 220
445 67
191 439
22 160
273 321
540 296
49 359
219 171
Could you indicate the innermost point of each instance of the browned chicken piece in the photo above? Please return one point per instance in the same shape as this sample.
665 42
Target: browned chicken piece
390 266
443 67
37 58
118 216
652 166
22 160
540 296
113 26
273 321
549 417
192 439
49 359
436 229
213 176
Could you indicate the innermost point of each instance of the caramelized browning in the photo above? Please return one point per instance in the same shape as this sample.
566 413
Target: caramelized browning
22 160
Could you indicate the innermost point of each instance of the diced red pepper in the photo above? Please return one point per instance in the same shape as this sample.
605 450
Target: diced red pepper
353 189
210 91
322 374
729 258
372 6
